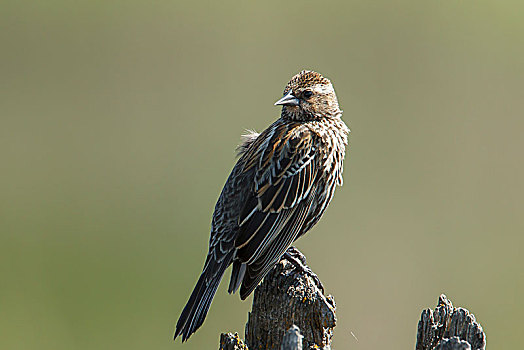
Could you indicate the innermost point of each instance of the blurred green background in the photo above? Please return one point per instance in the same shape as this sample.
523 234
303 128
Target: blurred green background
118 126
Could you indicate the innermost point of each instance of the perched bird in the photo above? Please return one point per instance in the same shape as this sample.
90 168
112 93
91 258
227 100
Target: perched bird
281 185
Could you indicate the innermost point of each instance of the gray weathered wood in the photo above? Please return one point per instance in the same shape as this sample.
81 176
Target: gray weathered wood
288 296
453 344
291 312
436 328
292 339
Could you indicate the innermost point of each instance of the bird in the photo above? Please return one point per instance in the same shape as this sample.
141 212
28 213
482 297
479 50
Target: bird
281 185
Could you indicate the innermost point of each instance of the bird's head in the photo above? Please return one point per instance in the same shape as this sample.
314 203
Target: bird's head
309 96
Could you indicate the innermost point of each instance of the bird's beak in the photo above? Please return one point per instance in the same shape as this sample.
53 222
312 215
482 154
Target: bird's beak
288 100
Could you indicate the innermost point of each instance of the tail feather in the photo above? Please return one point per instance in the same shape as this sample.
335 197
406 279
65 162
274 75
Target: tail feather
200 300
237 275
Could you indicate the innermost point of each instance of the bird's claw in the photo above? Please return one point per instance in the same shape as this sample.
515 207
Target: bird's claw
294 257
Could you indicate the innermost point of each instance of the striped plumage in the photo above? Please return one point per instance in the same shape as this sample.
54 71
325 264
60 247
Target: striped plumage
280 187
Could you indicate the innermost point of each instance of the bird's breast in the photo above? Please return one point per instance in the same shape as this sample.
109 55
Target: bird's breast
333 138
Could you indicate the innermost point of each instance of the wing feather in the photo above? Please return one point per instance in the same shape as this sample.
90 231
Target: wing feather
286 166
256 270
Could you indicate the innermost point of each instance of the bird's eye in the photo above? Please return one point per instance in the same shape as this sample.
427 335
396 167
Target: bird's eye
308 93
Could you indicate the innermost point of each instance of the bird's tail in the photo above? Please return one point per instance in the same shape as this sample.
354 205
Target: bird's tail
199 302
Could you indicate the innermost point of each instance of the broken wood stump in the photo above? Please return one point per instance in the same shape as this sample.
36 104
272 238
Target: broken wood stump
448 327
289 296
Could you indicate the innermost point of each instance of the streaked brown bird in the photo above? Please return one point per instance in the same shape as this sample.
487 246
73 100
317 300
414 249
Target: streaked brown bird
281 185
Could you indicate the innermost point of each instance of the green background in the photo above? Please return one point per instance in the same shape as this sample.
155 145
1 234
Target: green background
119 121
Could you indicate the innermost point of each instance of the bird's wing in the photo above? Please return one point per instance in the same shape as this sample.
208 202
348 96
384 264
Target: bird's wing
284 158
256 270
